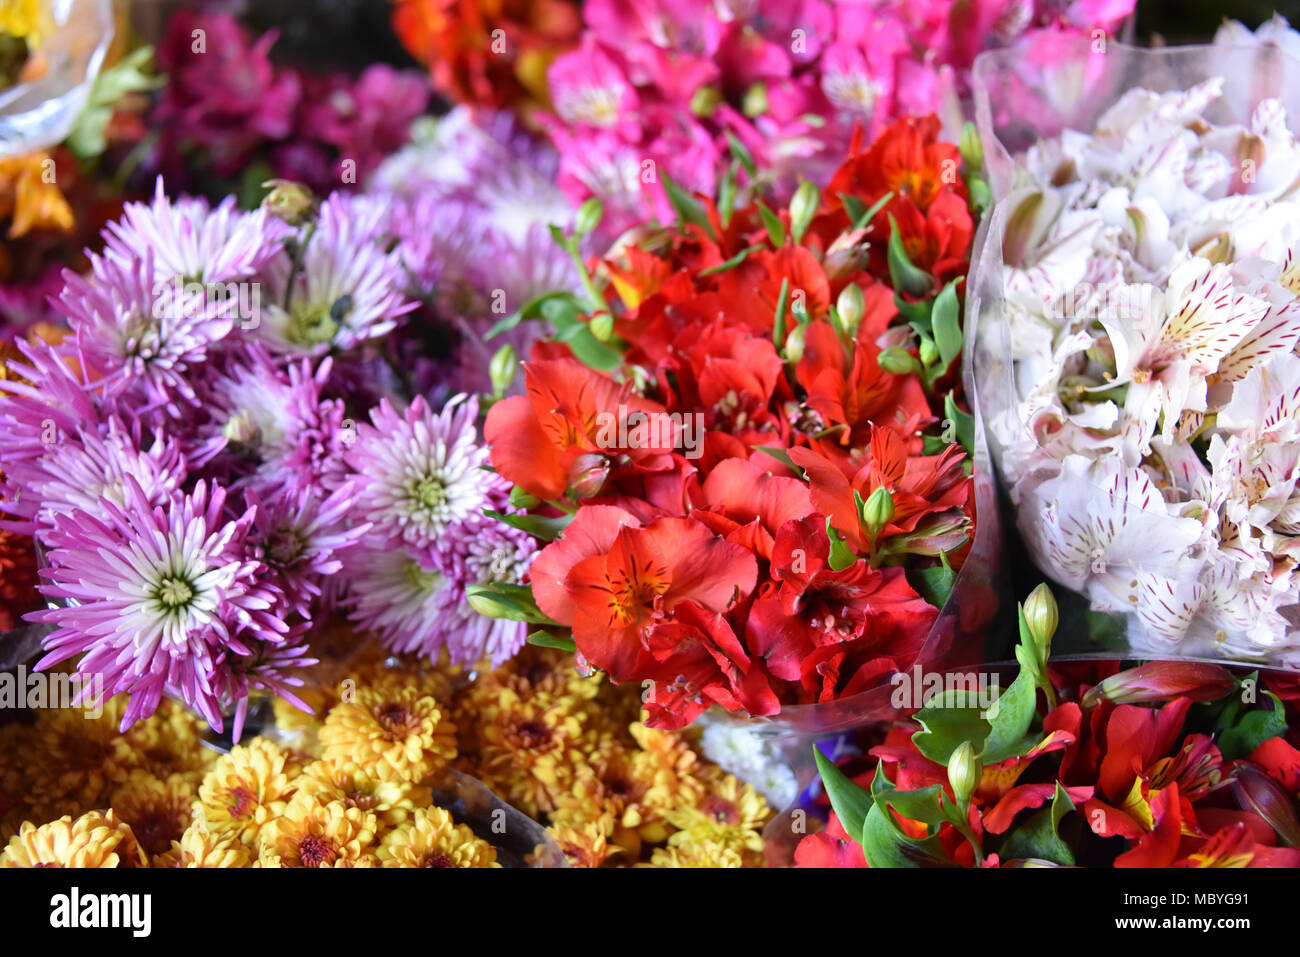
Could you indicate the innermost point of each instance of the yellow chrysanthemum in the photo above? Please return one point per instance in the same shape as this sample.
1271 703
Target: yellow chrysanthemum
92 840
391 801
170 741
586 845
528 749
393 734
200 847
730 814
30 194
73 761
157 811
700 854
433 839
246 790
289 718
312 833
28 20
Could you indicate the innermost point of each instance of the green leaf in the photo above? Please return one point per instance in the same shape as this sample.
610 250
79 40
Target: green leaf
1009 719
537 309
88 136
855 207
885 845
963 423
904 276
1252 729
933 584
731 263
841 555
544 639
782 456
863 219
915 314
589 350
850 801
539 526
945 321
778 324
687 207
727 196
775 228
952 717
742 153
1039 837
921 804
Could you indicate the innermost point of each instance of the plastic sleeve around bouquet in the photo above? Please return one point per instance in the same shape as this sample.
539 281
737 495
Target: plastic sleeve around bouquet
41 112
519 840
1115 607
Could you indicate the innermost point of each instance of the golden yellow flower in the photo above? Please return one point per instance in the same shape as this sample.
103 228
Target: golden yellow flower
30 194
529 749
74 761
312 833
170 741
157 811
585 845
246 790
699 854
391 801
731 814
393 734
29 20
433 839
200 847
92 840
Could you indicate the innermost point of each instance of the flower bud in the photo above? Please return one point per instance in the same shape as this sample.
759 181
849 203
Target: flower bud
587 475
850 307
794 343
964 773
878 510
289 201
1042 617
972 150
602 326
803 207
897 361
486 605
705 101
521 499
588 216
1159 681
503 368
929 352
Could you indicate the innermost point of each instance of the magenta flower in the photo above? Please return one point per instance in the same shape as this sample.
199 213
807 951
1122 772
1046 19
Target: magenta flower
155 594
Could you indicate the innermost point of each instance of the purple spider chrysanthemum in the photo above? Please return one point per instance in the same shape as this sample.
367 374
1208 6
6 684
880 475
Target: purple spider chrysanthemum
154 594
270 428
145 340
76 472
347 288
194 241
265 667
300 539
414 600
420 473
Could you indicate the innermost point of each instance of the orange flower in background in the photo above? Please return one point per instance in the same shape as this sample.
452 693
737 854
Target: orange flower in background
30 195
488 52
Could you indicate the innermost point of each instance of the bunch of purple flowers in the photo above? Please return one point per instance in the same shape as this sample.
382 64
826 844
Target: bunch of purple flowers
228 447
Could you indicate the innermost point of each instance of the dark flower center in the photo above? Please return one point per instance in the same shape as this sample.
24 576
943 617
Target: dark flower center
314 851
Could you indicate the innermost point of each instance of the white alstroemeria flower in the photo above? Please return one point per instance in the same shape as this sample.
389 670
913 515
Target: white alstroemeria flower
1097 524
1165 354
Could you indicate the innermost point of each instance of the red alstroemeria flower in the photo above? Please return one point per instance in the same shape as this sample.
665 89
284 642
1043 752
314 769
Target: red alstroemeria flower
851 390
698 661
833 631
921 487
610 578
569 411
747 505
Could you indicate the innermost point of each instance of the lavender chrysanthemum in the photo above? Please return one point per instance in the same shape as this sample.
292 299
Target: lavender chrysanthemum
190 239
155 593
146 338
419 474
75 473
347 288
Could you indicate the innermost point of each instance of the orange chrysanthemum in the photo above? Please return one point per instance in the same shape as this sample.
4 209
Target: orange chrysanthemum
92 840
312 833
433 839
394 733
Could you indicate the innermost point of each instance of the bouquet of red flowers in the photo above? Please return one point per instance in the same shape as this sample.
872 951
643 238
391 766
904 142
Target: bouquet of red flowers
746 445
1169 764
